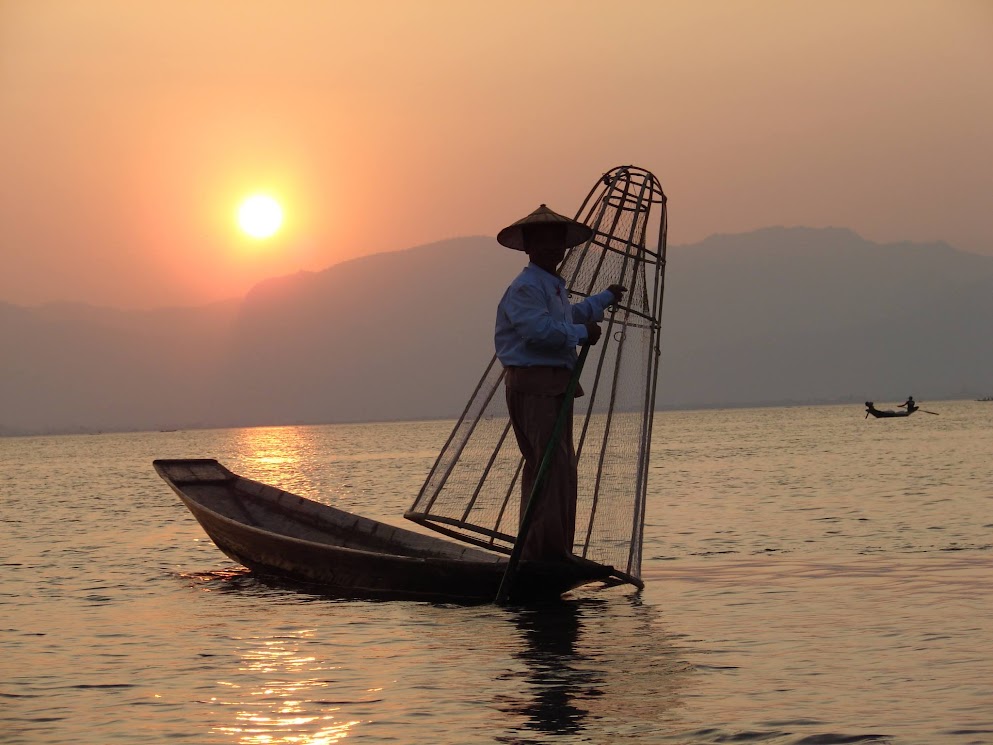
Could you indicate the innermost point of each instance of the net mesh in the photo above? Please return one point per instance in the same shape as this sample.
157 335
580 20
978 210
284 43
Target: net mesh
473 490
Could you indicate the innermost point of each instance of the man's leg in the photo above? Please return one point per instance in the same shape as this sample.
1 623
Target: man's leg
553 523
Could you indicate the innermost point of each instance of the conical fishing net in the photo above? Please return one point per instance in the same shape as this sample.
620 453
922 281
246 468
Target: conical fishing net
473 491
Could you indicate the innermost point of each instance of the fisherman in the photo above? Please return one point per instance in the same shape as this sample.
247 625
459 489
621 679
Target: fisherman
909 405
537 332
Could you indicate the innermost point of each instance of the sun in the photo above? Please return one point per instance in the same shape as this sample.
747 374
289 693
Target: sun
260 216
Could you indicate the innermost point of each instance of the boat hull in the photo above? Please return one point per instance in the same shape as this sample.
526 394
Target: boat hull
280 535
885 413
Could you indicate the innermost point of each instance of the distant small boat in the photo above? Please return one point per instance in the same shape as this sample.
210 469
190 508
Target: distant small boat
985 398
278 534
886 413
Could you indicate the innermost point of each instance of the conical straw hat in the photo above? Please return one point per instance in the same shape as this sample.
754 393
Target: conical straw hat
512 236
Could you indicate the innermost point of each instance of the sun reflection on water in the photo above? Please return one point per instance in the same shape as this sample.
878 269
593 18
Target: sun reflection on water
289 707
276 455
269 447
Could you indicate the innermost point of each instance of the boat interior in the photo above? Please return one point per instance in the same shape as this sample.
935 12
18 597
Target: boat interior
206 484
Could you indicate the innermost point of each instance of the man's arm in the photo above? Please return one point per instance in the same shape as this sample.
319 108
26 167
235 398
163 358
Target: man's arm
592 308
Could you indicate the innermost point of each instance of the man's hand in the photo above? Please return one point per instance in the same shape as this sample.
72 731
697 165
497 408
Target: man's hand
618 291
593 331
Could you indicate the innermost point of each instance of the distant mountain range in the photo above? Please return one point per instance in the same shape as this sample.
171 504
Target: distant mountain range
779 315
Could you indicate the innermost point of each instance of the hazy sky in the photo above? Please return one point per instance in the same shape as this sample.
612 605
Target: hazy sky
130 131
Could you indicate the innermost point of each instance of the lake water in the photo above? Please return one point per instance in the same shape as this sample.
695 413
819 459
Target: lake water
812 577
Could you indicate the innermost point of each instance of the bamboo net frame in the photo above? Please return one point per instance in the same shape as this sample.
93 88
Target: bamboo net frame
472 491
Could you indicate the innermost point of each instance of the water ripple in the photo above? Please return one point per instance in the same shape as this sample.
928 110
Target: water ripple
809 580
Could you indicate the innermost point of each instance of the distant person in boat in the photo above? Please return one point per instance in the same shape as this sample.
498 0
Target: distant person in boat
537 332
909 405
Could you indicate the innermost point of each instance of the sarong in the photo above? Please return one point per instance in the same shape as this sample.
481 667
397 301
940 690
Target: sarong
534 399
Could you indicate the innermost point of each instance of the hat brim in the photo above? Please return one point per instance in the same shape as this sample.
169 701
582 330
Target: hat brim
512 236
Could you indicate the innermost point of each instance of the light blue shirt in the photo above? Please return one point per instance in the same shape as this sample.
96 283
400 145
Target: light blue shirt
537 325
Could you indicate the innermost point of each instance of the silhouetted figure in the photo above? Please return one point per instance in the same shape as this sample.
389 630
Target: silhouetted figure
909 405
537 332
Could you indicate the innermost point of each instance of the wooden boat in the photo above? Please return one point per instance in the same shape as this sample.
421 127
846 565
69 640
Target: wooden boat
281 535
886 413
472 493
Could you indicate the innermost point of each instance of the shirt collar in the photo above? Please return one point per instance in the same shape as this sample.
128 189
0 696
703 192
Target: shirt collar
545 274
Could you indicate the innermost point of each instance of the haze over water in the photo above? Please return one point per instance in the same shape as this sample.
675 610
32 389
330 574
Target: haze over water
812 577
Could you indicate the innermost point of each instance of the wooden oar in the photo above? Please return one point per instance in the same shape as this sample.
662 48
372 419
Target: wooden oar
927 412
510 574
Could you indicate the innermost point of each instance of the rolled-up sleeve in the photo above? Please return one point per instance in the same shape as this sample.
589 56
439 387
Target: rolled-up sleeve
592 308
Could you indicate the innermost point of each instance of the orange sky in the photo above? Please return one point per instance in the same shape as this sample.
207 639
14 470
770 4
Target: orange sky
130 130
